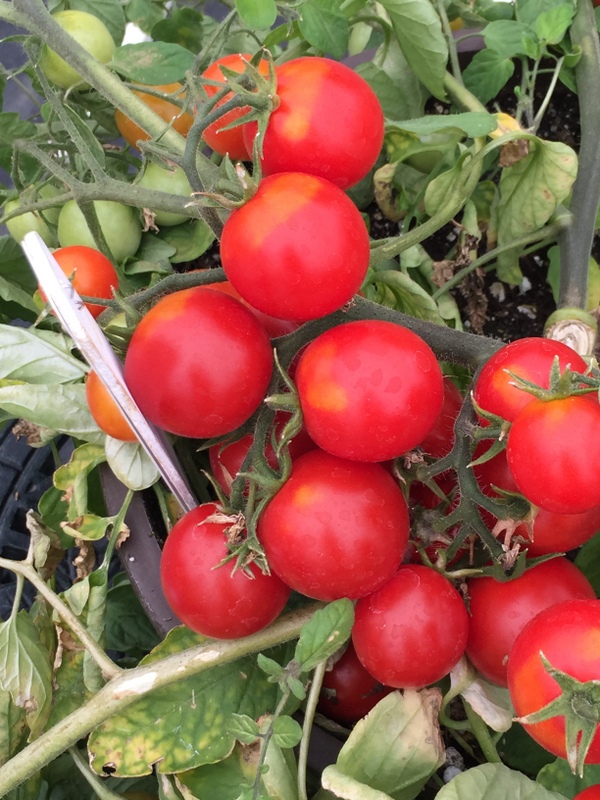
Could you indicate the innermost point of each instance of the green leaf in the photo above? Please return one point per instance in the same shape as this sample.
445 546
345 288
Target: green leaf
528 11
77 676
406 295
127 626
25 670
145 14
190 240
184 26
131 464
13 127
588 561
401 94
437 190
471 123
184 725
269 666
244 728
519 751
419 32
153 63
557 777
14 267
391 752
552 25
89 140
287 732
259 14
89 527
72 477
324 26
59 407
33 356
13 727
109 11
487 73
326 632
531 191
505 37
16 304
494 780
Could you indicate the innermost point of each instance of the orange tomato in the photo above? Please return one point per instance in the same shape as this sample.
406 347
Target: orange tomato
181 121
105 411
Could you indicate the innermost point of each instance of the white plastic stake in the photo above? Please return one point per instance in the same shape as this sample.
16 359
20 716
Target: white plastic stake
94 346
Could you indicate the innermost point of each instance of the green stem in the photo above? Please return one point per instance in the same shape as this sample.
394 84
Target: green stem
548 96
130 686
96 783
575 244
452 50
309 716
482 733
116 530
108 668
264 745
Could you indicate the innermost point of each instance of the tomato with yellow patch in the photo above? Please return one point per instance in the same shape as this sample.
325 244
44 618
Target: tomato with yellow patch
336 528
298 250
369 390
328 122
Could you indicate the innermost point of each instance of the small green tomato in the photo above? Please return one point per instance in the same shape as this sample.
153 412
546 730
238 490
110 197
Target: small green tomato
120 225
166 179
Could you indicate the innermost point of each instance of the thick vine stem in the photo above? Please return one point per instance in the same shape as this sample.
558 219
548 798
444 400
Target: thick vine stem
573 327
122 691
575 243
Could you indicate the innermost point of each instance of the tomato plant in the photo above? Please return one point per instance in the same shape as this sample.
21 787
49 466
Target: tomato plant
369 390
498 610
105 411
531 359
228 142
553 447
348 691
173 115
566 634
328 123
336 528
411 631
120 225
206 390
90 272
89 32
207 597
305 247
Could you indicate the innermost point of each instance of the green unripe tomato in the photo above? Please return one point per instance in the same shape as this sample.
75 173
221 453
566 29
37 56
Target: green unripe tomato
120 225
91 33
166 179
34 220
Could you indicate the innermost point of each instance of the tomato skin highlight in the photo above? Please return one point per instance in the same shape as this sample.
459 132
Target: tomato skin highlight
568 634
530 358
499 610
553 451
198 363
348 691
369 390
180 120
328 123
230 142
90 272
411 631
105 411
298 250
336 528
209 599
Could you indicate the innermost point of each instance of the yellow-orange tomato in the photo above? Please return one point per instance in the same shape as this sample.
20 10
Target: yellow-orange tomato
229 142
181 121
105 411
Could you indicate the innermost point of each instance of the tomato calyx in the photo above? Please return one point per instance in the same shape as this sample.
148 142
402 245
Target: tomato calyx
561 385
579 703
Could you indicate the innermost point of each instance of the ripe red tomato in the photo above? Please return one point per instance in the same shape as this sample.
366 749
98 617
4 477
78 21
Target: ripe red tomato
567 634
90 272
274 327
329 123
549 532
500 609
105 411
440 439
180 120
412 631
336 528
231 141
209 599
226 460
369 390
591 793
299 249
348 691
529 358
553 453
198 363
